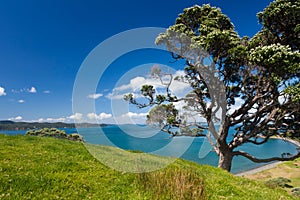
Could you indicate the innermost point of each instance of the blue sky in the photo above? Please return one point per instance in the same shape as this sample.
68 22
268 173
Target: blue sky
43 44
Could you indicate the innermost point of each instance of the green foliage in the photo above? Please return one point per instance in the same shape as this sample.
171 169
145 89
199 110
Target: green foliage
75 137
296 191
207 27
46 132
278 182
294 92
128 97
160 98
46 168
277 59
55 133
148 90
259 77
163 114
282 19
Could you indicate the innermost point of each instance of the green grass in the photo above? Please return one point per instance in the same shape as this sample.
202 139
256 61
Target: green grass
48 168
289 170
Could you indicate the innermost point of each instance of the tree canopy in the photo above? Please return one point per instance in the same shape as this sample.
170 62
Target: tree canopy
250 84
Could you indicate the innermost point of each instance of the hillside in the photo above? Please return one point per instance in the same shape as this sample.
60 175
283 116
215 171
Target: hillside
48 168
11 125
290 170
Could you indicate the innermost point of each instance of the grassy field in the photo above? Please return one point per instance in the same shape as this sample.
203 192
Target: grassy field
47 168
289 170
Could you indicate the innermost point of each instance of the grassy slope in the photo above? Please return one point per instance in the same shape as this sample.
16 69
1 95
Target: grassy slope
46 168
290 170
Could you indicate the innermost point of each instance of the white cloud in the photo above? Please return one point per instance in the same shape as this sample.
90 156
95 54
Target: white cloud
95 96
92 115
134 115
178 88
18 118
101 116
104 116
51 120
46 92
115 96
134 84
238 103
76 116
21 101
131 118
2 91
32 90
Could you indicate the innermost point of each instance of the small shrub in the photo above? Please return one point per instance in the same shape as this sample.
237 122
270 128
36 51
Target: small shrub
135 151
75 137
55 133
296 191
278 182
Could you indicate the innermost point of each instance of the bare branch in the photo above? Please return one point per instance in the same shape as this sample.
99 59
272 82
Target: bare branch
190 135
263 160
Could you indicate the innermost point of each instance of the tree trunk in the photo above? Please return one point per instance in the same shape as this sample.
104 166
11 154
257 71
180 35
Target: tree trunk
225 160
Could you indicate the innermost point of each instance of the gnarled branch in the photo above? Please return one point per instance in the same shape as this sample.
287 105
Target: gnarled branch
264 160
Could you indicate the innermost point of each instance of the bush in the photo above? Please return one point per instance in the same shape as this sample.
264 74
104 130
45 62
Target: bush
278 182
75 137
296 191
55 133
46 132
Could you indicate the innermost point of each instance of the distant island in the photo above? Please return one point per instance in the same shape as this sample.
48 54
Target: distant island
11 125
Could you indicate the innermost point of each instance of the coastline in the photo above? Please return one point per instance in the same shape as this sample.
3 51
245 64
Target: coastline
259 169
271 165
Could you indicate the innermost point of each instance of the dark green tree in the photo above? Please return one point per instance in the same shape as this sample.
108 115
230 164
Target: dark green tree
251 85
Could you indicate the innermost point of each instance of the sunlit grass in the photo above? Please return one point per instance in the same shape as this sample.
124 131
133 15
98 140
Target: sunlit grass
48 168
289 170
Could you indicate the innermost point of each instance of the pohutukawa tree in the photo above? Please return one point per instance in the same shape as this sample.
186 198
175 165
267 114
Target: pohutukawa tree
250 85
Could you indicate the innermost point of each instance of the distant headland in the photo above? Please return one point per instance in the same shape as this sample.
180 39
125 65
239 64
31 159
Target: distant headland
11 125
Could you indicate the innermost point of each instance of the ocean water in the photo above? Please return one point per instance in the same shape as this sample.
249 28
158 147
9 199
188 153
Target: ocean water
153 141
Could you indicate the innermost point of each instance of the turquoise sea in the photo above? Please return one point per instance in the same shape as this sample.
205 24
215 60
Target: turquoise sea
150 140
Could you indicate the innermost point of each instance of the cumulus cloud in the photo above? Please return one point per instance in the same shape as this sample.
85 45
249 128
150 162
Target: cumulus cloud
76 116
2 91
50 119
131 118
95 96
18 118
21 101
115 96
46 92
32 90
134 84
101 116
133 115
178 88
